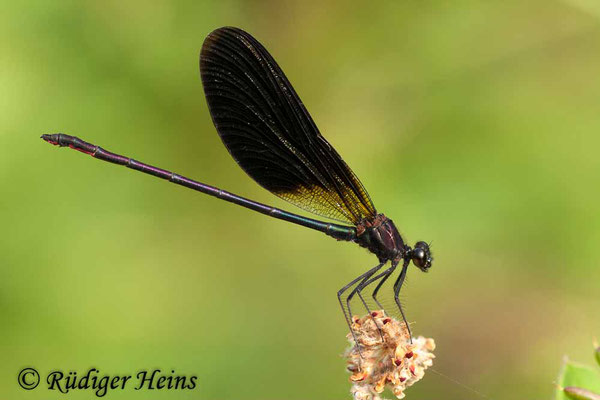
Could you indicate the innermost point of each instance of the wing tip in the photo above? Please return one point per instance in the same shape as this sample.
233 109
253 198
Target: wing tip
224 32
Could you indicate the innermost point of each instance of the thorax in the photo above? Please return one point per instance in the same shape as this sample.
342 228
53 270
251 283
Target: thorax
381 237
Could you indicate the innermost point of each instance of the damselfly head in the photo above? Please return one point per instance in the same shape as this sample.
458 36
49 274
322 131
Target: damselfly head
421 256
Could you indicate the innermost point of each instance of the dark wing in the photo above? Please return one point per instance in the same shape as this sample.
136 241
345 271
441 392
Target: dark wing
267 130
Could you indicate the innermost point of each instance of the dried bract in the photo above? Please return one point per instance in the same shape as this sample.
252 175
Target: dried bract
394 362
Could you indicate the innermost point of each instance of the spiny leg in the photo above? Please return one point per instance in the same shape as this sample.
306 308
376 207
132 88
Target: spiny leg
385 274
365 277
357 290
348 319
348 315
397 287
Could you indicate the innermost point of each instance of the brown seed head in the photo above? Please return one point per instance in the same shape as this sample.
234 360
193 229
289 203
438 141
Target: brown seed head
395 363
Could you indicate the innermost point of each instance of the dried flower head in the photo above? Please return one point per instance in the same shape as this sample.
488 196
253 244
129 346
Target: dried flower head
393 362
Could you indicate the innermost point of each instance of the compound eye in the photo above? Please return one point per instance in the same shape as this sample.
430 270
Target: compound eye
422 245
418 257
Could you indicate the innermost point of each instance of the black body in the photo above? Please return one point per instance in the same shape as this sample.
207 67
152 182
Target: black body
268 131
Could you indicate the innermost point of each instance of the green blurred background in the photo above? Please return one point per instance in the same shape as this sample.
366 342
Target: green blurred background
474 125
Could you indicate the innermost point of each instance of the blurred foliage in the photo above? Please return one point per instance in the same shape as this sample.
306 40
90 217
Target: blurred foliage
577 379
473 125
